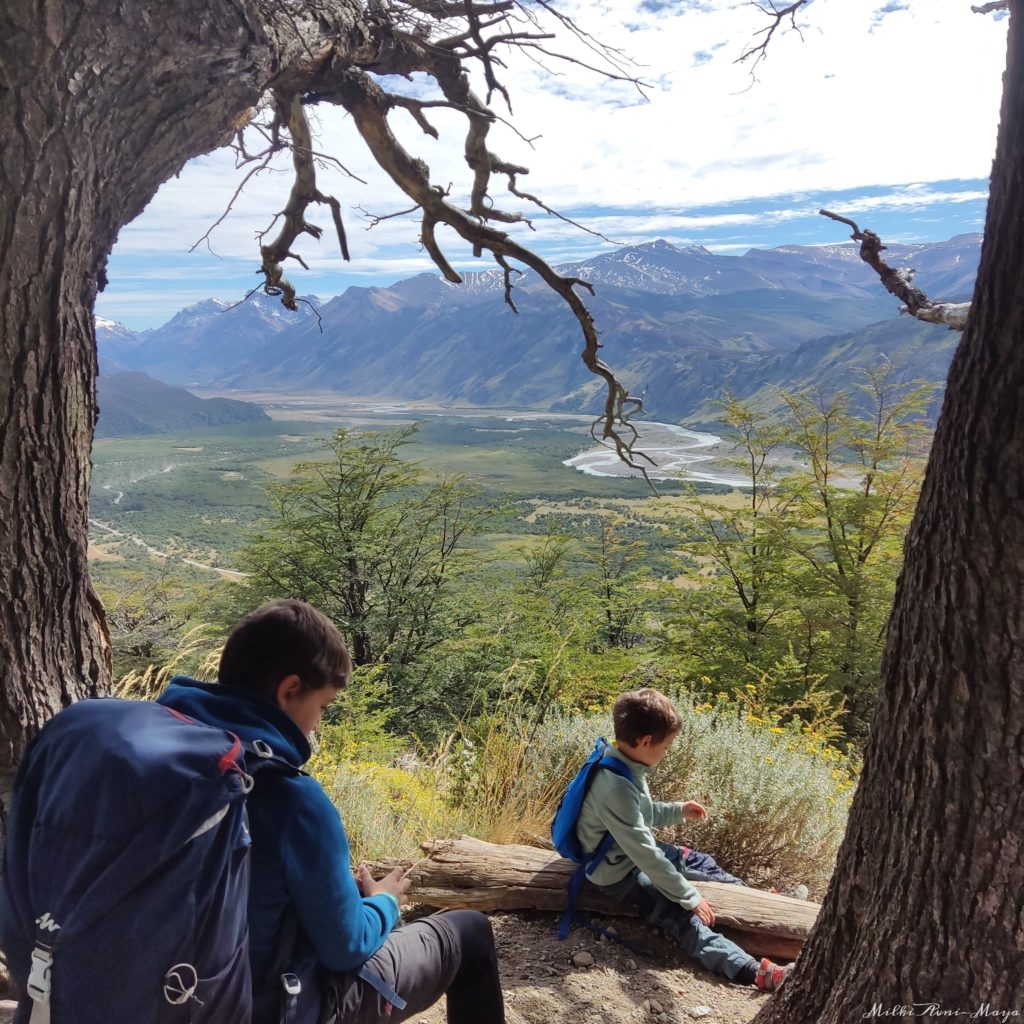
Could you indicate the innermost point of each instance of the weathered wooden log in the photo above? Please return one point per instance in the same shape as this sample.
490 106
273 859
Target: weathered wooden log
470 873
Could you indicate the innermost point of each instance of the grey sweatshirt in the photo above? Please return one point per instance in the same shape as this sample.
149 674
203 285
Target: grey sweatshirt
628 813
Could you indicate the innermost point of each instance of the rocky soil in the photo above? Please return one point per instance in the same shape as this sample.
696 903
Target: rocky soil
592 981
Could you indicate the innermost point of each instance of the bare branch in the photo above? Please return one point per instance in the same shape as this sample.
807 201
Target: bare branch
253 171
514 189
759 51
508 272
368 105
245 298
437 38
995 5
304 192
376 218
635 82
898 282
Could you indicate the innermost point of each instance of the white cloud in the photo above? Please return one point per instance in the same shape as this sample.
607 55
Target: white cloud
862 100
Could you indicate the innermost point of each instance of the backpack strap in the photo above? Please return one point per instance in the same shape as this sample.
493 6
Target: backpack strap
38 986
260 758
589 866
378 984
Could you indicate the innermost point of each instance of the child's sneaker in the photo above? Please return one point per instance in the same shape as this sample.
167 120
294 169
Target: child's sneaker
770 976
801 892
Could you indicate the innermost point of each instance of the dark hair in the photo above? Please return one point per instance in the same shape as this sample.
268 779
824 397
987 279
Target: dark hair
645 712
279 639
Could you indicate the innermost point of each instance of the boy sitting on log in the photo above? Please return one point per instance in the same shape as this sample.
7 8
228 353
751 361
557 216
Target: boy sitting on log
651 876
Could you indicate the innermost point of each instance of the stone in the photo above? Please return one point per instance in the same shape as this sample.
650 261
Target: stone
699 1011
583 959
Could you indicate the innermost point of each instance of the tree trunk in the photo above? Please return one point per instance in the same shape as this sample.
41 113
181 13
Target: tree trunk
100 103
483 876
926 902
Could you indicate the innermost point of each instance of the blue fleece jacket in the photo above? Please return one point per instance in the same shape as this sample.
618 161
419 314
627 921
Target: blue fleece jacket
300 855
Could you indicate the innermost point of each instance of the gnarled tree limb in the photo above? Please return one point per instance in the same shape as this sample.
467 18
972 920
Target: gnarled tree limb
899 282
436 38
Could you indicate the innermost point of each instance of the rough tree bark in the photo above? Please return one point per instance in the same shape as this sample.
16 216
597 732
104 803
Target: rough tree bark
99 105
927 902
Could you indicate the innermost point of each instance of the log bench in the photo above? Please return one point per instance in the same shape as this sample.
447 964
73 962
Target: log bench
469 873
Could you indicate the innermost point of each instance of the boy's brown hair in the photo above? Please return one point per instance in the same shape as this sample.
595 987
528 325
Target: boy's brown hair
645 712
279 639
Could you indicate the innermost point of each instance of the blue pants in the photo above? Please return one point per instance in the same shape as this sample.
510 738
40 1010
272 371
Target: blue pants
712 951
697 866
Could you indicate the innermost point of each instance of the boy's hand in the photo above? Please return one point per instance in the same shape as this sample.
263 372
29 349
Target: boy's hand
395 882
693 811
705 913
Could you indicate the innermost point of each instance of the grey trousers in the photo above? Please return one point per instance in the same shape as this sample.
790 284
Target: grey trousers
445 954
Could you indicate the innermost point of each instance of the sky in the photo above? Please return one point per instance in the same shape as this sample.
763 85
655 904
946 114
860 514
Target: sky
884 110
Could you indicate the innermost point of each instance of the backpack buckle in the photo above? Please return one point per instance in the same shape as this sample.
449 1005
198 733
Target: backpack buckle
291 984
38 985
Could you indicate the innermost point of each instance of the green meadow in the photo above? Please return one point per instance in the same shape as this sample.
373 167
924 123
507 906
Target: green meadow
196 497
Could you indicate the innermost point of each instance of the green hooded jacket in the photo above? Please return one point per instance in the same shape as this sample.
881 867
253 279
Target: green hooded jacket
628 813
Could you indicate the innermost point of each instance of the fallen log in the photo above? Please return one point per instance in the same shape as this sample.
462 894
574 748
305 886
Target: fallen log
470 873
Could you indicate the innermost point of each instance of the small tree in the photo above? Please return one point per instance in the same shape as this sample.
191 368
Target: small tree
622 588
366 537
807 566
737 620
852 511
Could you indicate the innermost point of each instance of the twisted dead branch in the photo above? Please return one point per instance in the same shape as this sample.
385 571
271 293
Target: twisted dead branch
899 282
440 39
758 52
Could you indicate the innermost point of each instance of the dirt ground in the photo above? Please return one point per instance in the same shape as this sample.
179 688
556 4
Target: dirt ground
543 986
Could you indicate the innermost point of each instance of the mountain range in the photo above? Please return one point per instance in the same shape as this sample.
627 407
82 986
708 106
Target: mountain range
680 325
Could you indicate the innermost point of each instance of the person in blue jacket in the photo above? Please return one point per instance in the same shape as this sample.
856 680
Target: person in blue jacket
324 945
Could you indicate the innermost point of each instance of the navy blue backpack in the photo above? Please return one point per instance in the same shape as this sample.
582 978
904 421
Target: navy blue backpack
126 869
563 831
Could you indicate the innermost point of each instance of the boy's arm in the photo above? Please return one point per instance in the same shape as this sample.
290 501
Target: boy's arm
620 815
344 927
667 813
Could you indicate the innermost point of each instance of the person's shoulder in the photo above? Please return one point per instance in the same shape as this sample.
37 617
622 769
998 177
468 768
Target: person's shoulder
607 783
303 807
291 792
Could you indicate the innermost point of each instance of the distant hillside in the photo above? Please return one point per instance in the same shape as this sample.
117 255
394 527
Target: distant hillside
678 324
135 403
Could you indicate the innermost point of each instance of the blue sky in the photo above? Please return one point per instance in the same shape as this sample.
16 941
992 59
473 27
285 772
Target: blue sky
709 157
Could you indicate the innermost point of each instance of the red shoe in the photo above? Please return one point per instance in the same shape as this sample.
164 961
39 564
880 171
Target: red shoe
771 976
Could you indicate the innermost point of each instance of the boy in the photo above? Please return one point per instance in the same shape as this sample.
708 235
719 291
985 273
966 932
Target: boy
651 876
323 947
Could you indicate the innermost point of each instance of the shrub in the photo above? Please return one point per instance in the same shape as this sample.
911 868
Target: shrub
777 796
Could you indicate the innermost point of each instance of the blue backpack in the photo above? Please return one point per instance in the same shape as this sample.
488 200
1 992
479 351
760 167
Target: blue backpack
126 869
563 830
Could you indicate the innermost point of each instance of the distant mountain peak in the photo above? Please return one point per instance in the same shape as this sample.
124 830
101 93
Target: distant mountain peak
655 245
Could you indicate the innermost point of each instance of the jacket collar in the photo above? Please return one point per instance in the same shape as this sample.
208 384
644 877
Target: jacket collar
247 714
639 770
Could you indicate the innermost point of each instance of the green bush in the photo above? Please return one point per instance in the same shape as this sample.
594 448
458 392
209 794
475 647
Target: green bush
777 797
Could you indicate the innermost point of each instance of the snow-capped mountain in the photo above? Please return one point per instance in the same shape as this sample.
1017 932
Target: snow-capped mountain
200 340
681 322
